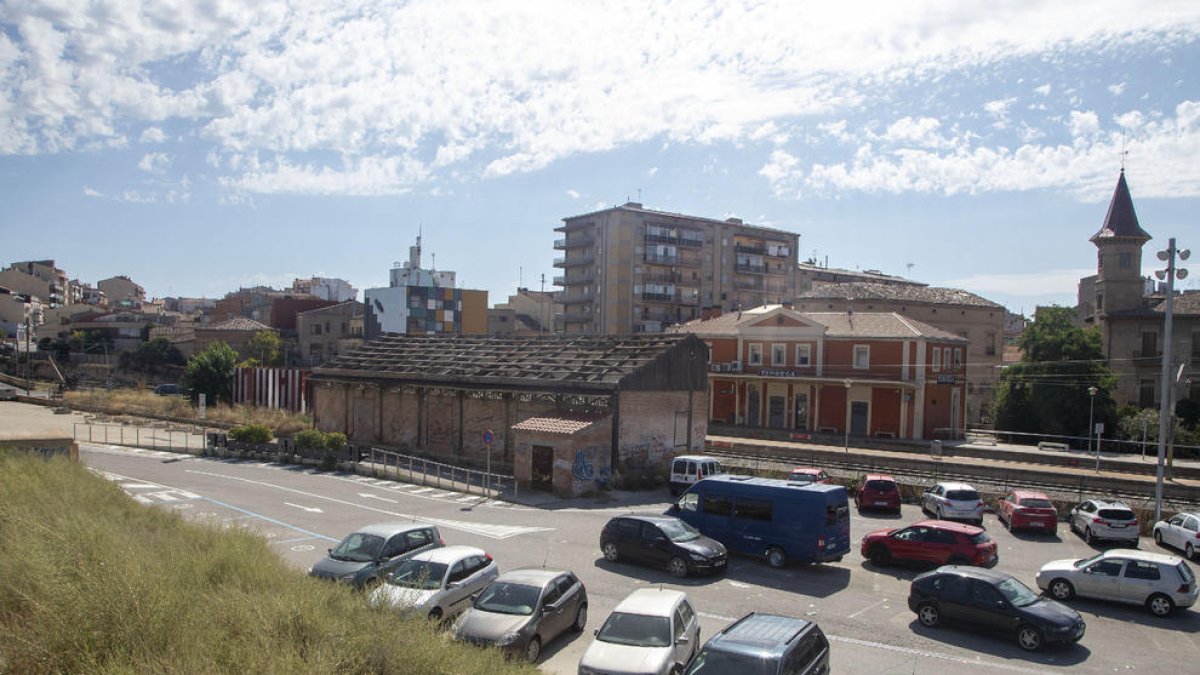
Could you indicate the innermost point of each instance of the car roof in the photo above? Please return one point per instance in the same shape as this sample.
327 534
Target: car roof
879 476
388 529
949 525
651 601
957 486
1147 556
973 572
647 517
1107 503
448 554
530 576
1029 494
697 458
806 469
759 634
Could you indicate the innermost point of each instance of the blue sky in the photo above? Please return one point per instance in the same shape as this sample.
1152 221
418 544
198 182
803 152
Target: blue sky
202 146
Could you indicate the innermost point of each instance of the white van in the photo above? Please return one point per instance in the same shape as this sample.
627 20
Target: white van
687 469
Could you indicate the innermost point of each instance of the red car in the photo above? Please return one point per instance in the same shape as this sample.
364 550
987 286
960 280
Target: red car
931 542
1026 509
808 475
877 491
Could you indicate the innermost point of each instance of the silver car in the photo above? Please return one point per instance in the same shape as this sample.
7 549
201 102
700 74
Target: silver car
1181 531
524 609
437 583
1099 519
653 631
366 556
953 501
1160 582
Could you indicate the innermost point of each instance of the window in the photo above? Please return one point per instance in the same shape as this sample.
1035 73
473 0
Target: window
804 355
862 356
459 572
419 538
394 547
1138 569
717 505
680 624
779 355
1149 343
989 347
1125 260
1146 392
316 329
753 509
1107 568
629 529
688 502
553 593
957 358
756 355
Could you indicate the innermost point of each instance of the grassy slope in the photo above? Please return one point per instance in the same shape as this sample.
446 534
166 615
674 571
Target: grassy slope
91 581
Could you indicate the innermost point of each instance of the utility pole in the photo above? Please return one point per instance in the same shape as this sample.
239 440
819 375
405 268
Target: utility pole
1165 388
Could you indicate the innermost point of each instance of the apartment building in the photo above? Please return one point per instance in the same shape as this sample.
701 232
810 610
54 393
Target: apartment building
421 301
122 292
862 373
526 313
325 288
325 332
39 278
629 269
978 320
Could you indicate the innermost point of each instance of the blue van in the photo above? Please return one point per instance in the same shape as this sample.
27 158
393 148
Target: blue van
781 521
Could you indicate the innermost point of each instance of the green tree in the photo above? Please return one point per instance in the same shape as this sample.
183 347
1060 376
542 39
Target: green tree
149 356
210 373
1047 392
266 348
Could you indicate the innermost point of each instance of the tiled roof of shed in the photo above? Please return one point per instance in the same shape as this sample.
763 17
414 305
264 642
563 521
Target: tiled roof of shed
238 323
837 324
933 295
558 424
560 359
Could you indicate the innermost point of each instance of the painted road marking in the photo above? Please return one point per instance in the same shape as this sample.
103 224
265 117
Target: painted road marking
368 495
977 662
310 509
482 529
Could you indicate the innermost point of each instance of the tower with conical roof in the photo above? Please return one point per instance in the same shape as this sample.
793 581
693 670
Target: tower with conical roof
1119 284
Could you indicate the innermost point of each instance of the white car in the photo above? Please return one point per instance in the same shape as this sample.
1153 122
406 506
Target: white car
1159 581
438 583
1181 531
953 501
653 631
1099 519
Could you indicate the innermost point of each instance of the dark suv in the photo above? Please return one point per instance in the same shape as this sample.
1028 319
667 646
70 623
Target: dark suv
661 541
764 644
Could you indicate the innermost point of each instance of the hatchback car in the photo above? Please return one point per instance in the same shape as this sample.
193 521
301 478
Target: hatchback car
877 491
661 541
653 631
808 475
437 583
936 542
524 609
1159 581
1028 510
368 555
957 501
992 601
764 644
1097 519
687 469
1181 531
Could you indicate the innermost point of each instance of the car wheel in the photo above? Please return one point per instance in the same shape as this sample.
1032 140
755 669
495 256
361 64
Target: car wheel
435 614
929 615
677 566
1160 605
610 552
879 555
1029 638
580 618
1189 551
1158 537
1088 537
776 557
533 650
1061 589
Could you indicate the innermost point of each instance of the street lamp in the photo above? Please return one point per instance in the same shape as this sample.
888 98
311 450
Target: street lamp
846 446
1091 426
1169 275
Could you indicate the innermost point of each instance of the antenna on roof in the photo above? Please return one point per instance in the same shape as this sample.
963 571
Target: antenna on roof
1124 151
909 266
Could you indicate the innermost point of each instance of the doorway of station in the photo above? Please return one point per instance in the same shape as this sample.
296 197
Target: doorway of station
542 469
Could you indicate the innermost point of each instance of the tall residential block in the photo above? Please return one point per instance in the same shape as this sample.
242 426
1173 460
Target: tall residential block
423 302
629 269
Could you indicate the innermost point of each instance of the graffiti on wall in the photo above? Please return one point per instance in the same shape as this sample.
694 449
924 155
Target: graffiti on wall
645 454
584 468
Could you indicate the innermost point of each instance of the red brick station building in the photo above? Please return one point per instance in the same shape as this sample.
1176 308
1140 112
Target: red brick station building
881 373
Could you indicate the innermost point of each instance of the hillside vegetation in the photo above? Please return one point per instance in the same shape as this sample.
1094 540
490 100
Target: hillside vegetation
93 582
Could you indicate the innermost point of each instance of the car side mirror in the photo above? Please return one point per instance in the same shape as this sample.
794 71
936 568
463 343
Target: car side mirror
681 640
1002 604
674 508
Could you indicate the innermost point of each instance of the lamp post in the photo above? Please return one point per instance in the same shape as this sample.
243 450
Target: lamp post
846 446
1169 275
1091 414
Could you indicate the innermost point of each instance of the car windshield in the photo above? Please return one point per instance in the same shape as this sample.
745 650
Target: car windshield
962 495
677 530
420 574
358 547
803 478
636 630
1016 592
506 598
1117 514
1034 503
719 663
1080 564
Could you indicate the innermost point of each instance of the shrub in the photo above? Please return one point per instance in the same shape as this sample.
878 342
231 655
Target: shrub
335 440
251 433
309 438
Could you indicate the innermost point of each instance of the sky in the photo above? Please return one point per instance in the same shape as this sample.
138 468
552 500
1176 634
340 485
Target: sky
201 146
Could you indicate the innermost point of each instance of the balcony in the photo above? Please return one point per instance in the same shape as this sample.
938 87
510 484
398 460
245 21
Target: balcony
689 240
751 249
575 260
569 298
661 277
574 242
672 260
747 268
585 277
748 285
1153 358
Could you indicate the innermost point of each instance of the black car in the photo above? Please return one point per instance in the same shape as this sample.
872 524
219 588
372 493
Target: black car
992 601
661 541
764 644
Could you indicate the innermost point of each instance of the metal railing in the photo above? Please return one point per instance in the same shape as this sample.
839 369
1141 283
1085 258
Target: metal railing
164 436
387 464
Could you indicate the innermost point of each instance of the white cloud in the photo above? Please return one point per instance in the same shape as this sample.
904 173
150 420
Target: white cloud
90 192
152 135
365 176
1083 123
651 171
1116 89
783 172
155 162
573 194
999 110
922 132
1044 89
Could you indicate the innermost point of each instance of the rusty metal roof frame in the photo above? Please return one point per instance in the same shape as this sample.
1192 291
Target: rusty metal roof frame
545 363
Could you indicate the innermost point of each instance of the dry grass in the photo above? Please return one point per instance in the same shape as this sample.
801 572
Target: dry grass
146 403
92 582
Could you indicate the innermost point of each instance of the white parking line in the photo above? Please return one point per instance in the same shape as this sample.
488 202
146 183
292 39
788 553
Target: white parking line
976 662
